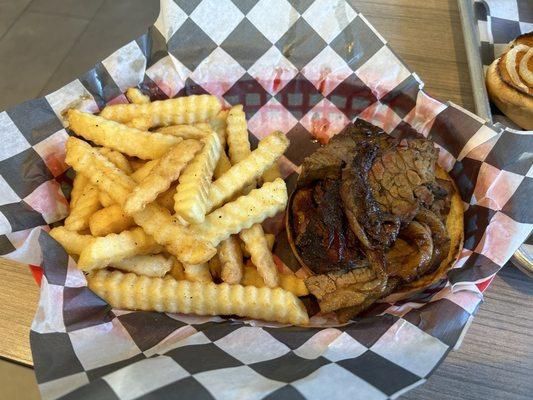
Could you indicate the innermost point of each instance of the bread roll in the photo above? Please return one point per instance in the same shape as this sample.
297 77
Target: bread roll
509 81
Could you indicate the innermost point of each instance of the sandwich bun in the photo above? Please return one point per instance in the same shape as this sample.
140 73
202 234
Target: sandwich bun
509 83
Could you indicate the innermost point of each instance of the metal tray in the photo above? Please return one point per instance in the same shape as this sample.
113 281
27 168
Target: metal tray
523 258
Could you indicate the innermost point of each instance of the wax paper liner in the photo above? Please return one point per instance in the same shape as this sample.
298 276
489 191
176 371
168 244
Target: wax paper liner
307 69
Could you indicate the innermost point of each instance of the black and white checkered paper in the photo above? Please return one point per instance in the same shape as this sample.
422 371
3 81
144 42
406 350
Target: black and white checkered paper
307 68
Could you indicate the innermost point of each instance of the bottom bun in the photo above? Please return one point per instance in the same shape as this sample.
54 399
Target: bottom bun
455 228
514 104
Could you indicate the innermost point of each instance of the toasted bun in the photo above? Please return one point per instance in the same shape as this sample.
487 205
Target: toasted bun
455 228
513 101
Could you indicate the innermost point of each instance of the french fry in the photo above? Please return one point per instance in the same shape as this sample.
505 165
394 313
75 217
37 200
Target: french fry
272 173
233 265
102 172
237 134
137 163
177 272
117 158
154 219
178 240
197 272
218 124
111 219
191 198
106 250
230 256
256 244
223 165
242 213
214 266
166 199
166 171
104 199
130 141
78 185
72 242
247 170
135 96
183 131
288 282
239 150
133 292
155 265
181 110
144 171
86 205
204 126
121 162
81 212
270 238
141 123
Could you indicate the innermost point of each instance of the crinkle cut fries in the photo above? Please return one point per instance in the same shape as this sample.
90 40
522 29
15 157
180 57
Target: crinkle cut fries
164 214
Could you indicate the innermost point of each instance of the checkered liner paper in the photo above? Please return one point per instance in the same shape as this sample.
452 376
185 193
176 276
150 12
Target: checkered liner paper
499 22
307 69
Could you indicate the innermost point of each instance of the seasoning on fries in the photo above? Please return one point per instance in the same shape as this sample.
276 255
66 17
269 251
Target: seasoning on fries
159 211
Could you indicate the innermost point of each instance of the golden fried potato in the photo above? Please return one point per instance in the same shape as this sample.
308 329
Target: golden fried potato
231 260
121 162
166 171
215 266
85 206
117 158
183 131
130 291
135 96
71 241
154 219
237 135
106 250
166 199
78 185
141 123
102 172
191 198
270 238
291 283
177 272
111 219
143 171
272 173
181 110
137 163
242 213
156 265
218 124
105 199
247 170
257 245
197 272
179 241
223 165
130 141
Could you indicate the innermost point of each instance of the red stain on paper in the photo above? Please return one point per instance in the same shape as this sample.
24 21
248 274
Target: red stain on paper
320 129
37 273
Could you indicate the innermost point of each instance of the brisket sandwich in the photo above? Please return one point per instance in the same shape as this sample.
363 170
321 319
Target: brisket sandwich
373 216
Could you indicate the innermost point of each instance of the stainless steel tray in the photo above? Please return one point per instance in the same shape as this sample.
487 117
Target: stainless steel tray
477 77
523 258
